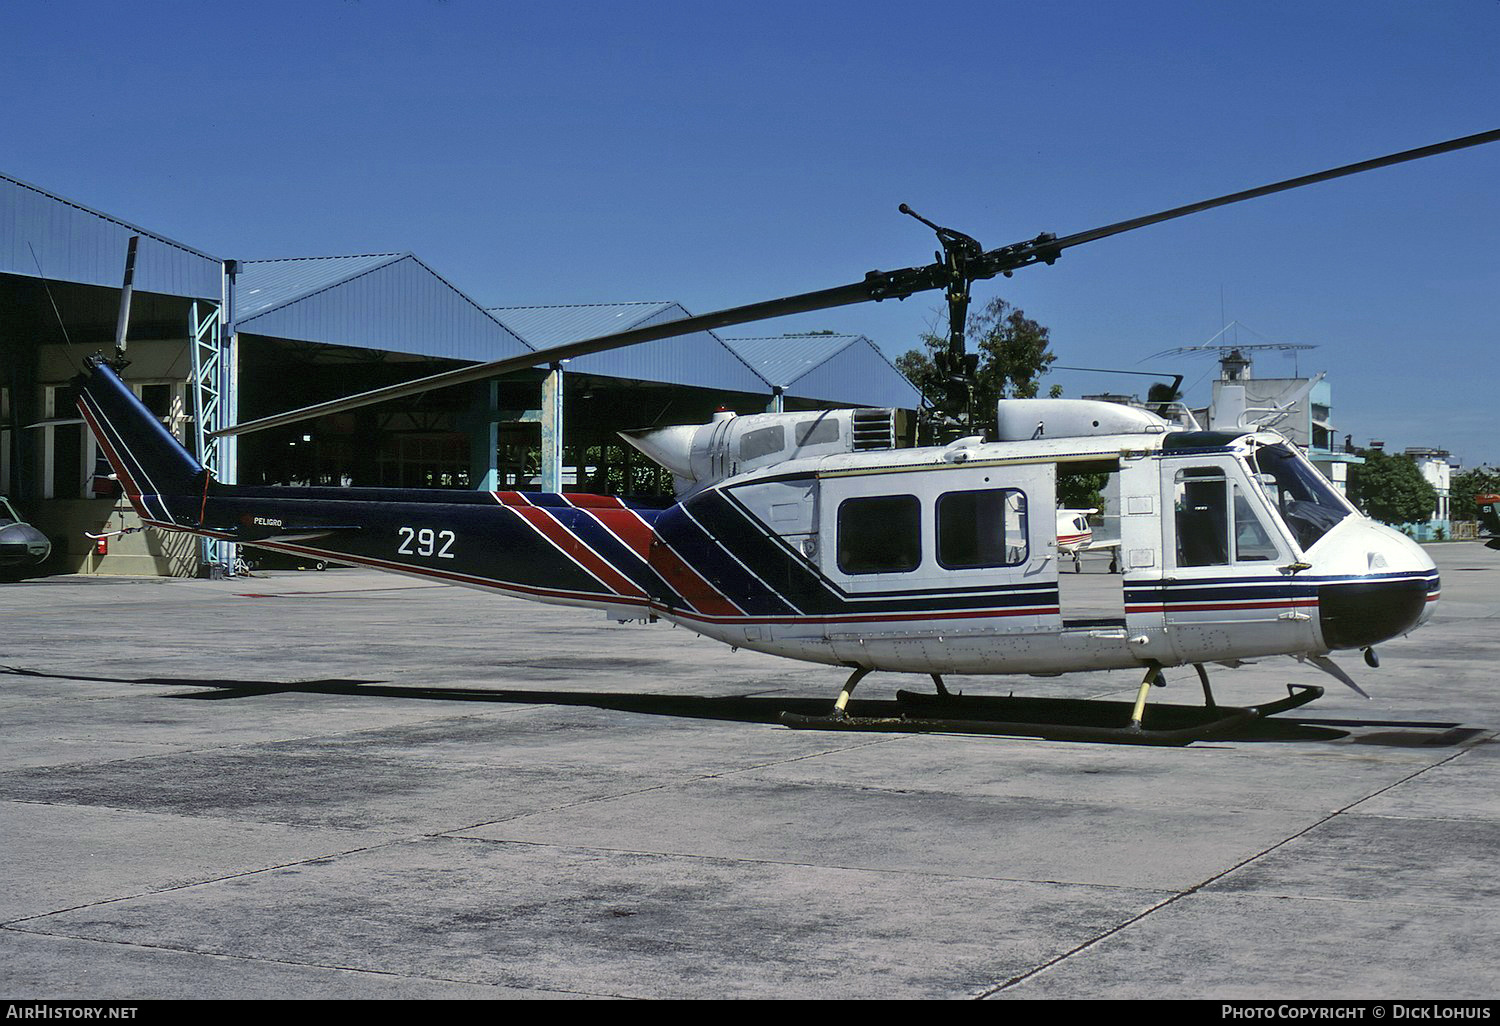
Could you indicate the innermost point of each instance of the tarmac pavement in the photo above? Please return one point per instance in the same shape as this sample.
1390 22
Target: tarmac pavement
347 784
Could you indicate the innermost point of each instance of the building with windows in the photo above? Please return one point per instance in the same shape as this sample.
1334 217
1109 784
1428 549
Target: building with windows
1299 408
1437 469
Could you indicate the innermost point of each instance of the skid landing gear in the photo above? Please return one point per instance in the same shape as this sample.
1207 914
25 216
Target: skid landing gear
1055 719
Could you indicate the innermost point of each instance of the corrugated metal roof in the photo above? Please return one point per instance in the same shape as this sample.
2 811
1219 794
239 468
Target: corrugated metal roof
394 302
783 359
74 243
829 368
699 360
387 301
858 374
263 285
547 326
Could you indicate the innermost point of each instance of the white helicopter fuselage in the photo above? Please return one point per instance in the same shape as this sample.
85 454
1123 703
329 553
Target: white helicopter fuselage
946 560
812 536
804 535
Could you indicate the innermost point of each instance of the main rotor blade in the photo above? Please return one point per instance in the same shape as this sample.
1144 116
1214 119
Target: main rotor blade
876 286
1291 183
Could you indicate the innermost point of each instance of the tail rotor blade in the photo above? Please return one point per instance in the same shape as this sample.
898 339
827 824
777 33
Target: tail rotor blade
122 325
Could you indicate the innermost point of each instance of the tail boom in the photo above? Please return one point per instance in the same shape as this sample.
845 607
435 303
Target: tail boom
573 549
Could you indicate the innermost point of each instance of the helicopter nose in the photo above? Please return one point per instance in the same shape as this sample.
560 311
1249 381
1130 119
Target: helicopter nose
1396 592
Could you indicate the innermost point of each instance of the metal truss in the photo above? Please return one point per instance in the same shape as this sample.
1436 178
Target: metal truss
214 393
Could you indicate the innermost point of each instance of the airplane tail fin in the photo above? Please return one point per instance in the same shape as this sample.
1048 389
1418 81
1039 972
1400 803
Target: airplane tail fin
159 476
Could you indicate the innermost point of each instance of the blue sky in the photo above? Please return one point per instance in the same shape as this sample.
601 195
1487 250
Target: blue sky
720 154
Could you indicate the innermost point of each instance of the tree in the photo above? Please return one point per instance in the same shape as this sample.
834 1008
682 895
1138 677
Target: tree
1013 353
1079 489
1391 488
1464 491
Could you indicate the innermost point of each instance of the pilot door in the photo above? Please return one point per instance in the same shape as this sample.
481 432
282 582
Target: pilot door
1224 594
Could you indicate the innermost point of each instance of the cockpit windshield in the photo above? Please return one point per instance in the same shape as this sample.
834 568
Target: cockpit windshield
1304 498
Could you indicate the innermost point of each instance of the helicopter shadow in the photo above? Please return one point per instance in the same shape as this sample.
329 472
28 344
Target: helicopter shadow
741 708
769 709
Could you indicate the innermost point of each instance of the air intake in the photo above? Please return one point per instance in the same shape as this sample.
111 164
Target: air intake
874 429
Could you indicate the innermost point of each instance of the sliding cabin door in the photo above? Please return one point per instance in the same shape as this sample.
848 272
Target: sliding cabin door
953 548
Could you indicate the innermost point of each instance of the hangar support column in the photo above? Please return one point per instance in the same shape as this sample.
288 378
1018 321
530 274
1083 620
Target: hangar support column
215 389
552 429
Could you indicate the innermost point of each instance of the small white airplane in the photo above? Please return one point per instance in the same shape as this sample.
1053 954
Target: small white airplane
1075 536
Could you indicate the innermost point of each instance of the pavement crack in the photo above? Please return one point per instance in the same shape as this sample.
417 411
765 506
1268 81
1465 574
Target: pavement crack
208 881
304 964
1198 887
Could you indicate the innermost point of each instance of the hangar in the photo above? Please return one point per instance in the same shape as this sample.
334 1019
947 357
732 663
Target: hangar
213 341
823 366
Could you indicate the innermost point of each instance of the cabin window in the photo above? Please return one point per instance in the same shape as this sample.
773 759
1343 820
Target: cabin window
983 528
1202 507
815 432
1216 522
880 534
762 442
1252 542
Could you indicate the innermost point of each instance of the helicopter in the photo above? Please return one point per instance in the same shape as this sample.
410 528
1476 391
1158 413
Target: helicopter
1489 516
812 535
21 545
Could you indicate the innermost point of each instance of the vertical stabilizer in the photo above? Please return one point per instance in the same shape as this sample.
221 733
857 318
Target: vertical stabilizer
158 475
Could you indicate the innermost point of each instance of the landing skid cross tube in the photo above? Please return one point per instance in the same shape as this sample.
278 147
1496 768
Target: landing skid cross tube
1054 719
